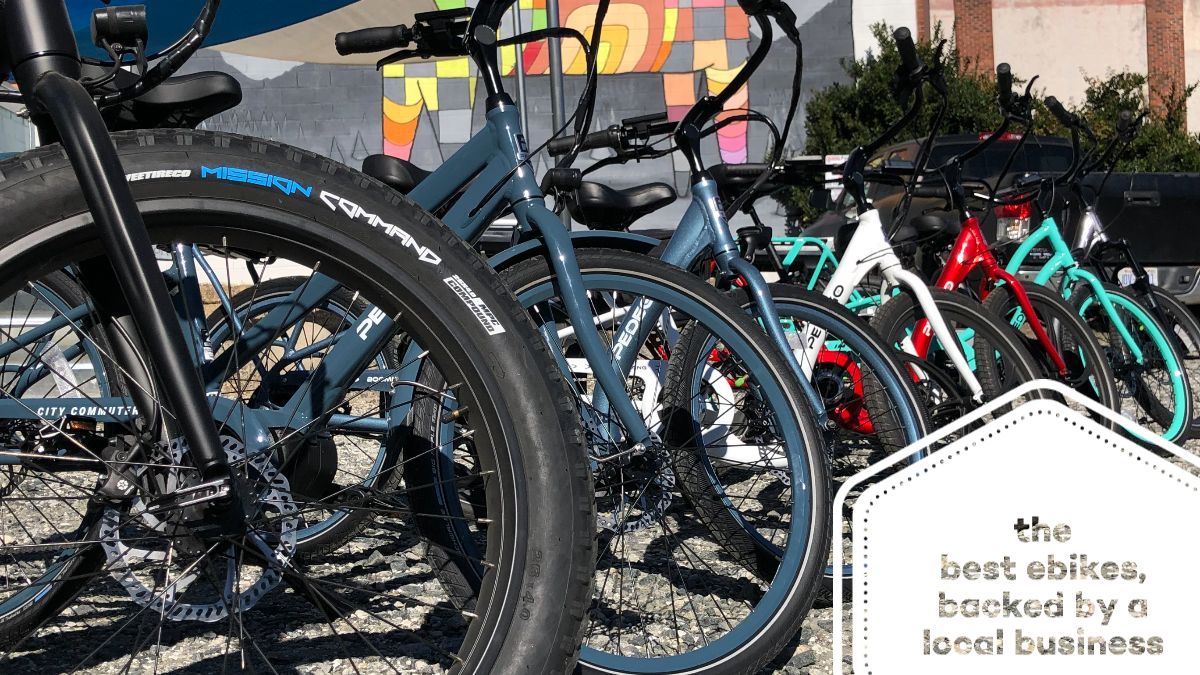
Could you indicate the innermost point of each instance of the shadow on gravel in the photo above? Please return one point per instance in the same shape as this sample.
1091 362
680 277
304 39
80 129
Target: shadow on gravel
282 635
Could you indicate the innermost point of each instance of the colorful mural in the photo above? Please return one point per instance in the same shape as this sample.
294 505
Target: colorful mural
656 55
694 45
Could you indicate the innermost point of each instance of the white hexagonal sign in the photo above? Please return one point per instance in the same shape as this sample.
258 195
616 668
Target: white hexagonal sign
1042 542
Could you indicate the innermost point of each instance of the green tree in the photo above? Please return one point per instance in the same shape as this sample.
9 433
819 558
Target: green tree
1162 144
843 116
846 115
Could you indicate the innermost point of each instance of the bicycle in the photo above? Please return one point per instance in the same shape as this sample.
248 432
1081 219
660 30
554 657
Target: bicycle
1064 346
1143 355
145 485
1107 258
648 347
960 329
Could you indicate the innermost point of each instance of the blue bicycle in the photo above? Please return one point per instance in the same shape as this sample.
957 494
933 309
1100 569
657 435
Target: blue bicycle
159 470
685 404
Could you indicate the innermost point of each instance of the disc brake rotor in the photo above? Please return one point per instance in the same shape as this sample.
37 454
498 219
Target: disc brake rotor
140 568
633 492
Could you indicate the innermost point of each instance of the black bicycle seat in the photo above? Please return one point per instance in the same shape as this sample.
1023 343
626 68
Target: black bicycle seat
183 101
399 174
729 176
601 207
928 230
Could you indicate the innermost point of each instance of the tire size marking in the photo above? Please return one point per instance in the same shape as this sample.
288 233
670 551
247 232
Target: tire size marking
483 313
528 598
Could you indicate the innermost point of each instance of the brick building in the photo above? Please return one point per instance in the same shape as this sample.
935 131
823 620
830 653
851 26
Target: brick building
1063 41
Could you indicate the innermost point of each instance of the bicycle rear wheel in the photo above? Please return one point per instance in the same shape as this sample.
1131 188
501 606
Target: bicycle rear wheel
99 539
1088 370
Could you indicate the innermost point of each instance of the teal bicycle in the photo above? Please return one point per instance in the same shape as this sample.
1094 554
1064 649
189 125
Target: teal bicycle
1145 360
1148 368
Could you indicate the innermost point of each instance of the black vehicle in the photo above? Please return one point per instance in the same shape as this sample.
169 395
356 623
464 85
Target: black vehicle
1153 212
1044 155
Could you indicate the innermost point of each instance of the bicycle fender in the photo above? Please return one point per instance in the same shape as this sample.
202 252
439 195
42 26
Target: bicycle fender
625 241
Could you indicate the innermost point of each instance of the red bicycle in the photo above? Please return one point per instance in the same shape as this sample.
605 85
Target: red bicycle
1063 345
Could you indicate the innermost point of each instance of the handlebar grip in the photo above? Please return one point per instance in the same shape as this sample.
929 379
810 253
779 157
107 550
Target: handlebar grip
744 170
369 40
560 146
1124 121
1004 82
1060 112
612 137
908 51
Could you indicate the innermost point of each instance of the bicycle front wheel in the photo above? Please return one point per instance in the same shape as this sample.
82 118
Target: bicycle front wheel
104 538
1155 390
667 600
1184 331
993 350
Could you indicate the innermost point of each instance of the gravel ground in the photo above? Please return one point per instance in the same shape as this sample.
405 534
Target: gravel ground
382 559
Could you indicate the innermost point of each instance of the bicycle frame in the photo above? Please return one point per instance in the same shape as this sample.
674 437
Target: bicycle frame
491 172
1094 242
44 58
826 259
869 250
305 407
971 251
1063 262
492 153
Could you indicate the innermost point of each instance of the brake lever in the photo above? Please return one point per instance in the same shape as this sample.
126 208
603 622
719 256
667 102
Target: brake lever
395 57
1021 110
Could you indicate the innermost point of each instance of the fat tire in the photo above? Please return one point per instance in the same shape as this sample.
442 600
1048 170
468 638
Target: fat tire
535 625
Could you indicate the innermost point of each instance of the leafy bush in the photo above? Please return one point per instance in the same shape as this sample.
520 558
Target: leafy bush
1163 143
844 116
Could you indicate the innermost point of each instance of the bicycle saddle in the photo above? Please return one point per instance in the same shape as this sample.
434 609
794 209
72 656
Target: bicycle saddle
928 230
729 176
398 174
601 207
181 101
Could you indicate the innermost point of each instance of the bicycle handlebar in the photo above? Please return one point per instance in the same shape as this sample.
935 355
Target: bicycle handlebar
1068 119
1004 81
932 191
1124 121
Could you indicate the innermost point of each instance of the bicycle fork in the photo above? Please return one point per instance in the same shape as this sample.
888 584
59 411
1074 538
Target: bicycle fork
46 65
